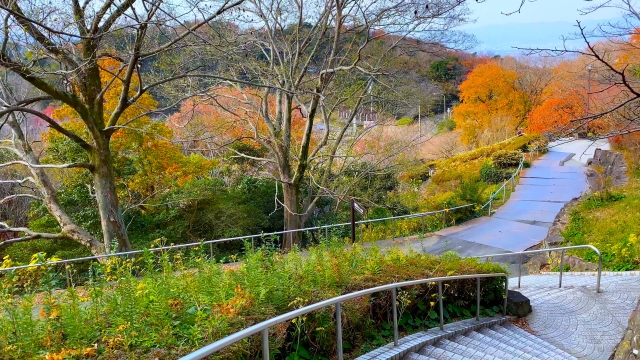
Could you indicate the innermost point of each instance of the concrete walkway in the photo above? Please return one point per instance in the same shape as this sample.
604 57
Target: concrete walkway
577 319
524 220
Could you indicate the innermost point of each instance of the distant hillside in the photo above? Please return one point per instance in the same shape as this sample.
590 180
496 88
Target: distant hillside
502 39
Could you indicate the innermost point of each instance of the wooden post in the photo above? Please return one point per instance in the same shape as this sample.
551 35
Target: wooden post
353 221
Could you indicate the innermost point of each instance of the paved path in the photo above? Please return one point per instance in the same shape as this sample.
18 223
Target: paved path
584 149
525 219
575 318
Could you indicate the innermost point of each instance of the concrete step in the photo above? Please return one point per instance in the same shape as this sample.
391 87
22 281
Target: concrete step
466 352
510 330
438 353
515 341
414 356
494 347
505 342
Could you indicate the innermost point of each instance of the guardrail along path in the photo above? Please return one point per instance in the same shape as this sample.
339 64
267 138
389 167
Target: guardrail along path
524 220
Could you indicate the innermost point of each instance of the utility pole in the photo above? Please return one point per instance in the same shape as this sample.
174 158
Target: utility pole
444 105
419 121
588 95
588 87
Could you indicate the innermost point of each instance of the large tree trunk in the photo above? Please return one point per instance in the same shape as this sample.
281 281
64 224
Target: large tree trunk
292 220
113 229
49 197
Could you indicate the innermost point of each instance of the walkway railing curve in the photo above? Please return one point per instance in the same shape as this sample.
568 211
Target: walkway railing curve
561 267
251 238
263 327
503 188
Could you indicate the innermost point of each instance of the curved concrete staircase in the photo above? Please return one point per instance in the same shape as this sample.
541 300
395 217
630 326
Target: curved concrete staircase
572 322
503 342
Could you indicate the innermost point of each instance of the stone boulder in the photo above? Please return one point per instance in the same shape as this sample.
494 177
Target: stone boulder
629 347
518 304
612 166
577 264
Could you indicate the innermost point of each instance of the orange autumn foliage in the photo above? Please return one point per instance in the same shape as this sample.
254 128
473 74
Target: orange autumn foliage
555 113
226 116
142 146
490 102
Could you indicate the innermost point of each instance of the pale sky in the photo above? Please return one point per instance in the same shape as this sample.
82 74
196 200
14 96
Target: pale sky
490 12
540 24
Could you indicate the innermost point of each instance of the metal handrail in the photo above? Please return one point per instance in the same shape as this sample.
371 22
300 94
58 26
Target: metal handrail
562 250
264 326
211 242
503 188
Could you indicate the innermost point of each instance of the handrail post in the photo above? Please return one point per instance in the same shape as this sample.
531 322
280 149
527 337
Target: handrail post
490 200
561 268
211 250
504 191
394 296
326 233
506 293
519 270
265 344
68 274
441 306
422 218
478 300
444 219
599 272
339 329
393 228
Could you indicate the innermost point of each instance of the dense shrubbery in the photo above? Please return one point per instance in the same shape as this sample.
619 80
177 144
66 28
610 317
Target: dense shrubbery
446 125
466 178
505 159
157 314
493 175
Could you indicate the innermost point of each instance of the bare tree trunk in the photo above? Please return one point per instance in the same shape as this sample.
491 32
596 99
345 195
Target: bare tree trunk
292 220
111 220
45 186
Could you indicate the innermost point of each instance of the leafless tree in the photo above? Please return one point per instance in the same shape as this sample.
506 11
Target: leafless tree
610 54
56 47
313 58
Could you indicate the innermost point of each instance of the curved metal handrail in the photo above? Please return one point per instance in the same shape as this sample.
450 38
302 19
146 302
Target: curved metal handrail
562 250
503 188
264 326
246 237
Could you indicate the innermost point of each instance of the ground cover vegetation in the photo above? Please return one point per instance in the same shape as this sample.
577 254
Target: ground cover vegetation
609 219
164 305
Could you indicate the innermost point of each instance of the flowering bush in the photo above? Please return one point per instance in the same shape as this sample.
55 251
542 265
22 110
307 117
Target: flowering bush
166 311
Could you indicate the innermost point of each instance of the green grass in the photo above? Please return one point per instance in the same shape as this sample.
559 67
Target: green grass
167 307
612 224
405 121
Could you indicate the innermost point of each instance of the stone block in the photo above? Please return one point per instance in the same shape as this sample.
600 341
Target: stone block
518 304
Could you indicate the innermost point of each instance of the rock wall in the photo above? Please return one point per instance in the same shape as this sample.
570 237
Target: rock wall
629 347
613 166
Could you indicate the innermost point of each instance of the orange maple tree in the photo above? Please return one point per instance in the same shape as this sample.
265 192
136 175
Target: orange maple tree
555 113
226 116
491 102
141 145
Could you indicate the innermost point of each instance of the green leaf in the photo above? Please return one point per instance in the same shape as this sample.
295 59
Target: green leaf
422 306
302 352
432 314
